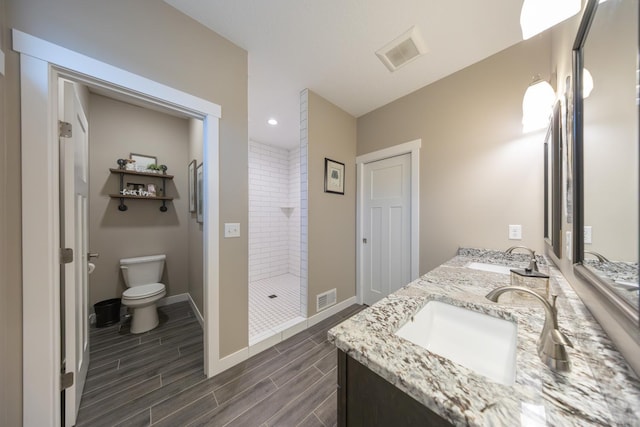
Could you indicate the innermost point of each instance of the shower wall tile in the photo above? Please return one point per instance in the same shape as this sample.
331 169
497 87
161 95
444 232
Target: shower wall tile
274 213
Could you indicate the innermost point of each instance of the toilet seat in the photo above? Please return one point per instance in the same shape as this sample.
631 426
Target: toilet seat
143 291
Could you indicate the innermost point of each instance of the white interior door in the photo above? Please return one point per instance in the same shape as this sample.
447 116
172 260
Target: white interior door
386 244
74 186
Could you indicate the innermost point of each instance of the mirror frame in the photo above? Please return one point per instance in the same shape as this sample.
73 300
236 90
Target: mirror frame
578 167
553 186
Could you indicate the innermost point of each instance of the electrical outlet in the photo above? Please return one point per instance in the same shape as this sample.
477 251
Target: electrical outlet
588 234
515 232
231 229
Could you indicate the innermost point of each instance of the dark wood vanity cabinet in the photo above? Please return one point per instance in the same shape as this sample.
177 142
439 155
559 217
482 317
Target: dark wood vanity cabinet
368 400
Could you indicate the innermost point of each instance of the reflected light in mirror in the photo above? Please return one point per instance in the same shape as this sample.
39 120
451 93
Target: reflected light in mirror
587 82
539 15
536 106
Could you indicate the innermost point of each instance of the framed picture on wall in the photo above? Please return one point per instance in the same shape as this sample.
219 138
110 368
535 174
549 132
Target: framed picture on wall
192 186
333 176
200 193
142 161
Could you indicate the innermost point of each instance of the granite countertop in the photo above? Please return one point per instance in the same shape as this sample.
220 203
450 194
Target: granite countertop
600 389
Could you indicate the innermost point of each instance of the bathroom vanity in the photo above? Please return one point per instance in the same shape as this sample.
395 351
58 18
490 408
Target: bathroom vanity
385 379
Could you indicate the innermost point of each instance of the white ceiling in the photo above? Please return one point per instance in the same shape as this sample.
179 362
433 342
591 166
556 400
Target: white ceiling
329 47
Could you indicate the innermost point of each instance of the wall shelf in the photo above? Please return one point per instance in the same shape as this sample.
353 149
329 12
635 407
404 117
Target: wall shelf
122 172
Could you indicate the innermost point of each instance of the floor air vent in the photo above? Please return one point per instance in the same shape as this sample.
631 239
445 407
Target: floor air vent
325 299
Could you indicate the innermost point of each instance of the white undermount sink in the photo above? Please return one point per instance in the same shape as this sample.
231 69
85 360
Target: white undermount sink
482 343
502 269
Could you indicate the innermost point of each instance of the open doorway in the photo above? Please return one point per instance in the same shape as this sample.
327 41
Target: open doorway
41 64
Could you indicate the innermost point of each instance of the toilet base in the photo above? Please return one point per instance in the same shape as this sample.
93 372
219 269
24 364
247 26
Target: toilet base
144 319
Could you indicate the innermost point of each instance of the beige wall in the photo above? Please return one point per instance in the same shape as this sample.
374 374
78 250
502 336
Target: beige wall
196 253
117 129
332 217
152 39
478 172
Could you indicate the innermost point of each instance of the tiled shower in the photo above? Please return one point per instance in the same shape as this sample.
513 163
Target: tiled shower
274 240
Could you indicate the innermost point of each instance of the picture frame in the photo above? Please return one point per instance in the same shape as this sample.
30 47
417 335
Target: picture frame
200 194
192 186
142 161
333 176
151 189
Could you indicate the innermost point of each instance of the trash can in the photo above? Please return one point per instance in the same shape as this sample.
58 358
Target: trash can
107 312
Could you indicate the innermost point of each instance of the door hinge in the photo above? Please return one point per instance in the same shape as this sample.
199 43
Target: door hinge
66 255
66 380
65 129
364 240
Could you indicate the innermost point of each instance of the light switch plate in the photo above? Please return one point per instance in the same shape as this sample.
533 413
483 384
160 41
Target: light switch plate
588 234
515 232
231 229
568 245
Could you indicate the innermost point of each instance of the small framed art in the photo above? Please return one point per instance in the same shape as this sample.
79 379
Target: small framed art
333 176
192 186
200 196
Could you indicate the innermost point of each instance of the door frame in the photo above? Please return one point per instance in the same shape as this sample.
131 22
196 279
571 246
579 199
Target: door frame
413 148
41 64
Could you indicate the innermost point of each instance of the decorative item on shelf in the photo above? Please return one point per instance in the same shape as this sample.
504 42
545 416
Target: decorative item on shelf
164 168
130 165
122 163
153 168
135 190
143 161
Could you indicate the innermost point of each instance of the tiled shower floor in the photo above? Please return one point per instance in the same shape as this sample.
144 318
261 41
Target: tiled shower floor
268 316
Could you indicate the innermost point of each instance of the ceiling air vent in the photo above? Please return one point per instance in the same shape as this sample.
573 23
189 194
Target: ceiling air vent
402 50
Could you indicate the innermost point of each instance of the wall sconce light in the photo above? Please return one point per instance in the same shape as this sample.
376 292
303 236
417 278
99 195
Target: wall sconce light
538 15
536 105
587 83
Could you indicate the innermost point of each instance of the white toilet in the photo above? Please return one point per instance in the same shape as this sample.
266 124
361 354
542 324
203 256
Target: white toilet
142 276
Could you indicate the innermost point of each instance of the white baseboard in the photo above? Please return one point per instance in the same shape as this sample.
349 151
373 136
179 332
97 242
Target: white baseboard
173 299
334 309
269 341
197 313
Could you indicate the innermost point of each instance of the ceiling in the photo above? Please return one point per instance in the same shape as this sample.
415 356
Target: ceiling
329 47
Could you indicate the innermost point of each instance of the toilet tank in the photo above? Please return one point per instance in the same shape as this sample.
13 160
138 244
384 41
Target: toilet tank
142 270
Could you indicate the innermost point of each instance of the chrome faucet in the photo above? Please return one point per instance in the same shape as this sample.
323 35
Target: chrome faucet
600 257
533 263
552 342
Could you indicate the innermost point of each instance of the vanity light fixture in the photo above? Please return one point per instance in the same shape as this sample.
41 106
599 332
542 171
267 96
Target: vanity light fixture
536 105
587 82
539 15
272 122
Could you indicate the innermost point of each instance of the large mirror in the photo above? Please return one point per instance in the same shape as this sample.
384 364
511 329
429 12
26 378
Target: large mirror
553 182
607 142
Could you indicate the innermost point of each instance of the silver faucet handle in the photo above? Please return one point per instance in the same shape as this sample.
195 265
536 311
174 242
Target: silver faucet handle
560 339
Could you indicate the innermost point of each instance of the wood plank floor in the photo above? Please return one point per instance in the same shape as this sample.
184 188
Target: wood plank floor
157 378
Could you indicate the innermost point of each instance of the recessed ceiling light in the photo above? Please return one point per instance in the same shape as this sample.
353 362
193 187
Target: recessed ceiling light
272 122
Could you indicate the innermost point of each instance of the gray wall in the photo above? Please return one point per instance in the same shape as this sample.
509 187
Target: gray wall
117 129
149 38
478 172
332 217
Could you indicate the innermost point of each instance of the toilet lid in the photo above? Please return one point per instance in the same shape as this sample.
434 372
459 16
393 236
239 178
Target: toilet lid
143 291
